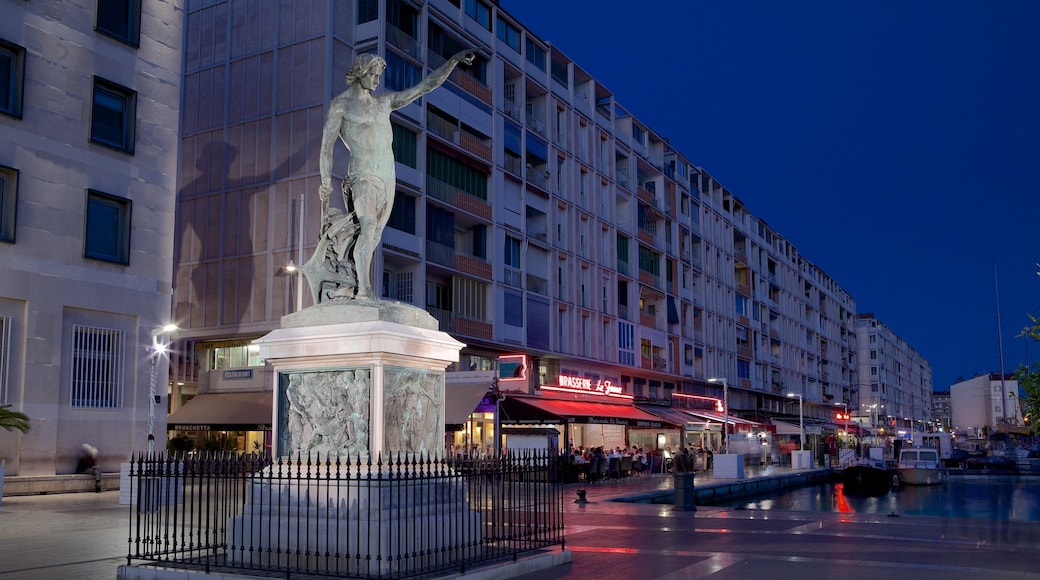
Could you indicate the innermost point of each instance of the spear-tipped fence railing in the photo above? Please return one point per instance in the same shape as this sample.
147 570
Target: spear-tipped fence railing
342 517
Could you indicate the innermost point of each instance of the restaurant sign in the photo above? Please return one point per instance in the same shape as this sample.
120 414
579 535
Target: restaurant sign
599 387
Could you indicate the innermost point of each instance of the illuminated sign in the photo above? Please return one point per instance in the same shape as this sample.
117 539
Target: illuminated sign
574 384
237 374
512 367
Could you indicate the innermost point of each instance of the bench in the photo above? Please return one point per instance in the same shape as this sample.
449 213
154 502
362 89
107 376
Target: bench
63 483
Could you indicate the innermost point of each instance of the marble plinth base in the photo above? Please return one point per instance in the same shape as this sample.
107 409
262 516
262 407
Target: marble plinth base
362 527
348 311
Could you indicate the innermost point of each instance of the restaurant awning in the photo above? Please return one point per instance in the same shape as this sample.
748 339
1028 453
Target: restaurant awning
250 411
739 425
785 428
538 410
463 391
673 416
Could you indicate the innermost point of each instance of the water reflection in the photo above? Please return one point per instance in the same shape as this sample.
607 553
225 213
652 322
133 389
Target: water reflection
1004 499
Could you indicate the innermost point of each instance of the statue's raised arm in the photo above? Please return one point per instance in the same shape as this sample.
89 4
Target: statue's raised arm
436 79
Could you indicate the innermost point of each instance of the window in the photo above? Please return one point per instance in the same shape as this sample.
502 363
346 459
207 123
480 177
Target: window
511 254
402 215
742 305
743 369
97 368
405 146
367 11
12 77
480 12
235 357
120 19
509 34
450 171
400 74
113 116
559 72
5 348
649 261
513 305
108 228
8 202
535 54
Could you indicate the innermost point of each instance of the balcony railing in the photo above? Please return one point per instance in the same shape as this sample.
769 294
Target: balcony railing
402 40
464 200
511 276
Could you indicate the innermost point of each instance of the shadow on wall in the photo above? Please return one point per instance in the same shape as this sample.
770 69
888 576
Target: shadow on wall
216 253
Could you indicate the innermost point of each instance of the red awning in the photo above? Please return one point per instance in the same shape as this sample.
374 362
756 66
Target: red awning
520 410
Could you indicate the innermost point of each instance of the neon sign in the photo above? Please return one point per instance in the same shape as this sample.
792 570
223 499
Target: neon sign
512 367
572 384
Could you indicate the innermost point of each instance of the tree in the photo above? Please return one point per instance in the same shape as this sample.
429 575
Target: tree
1028 378
12 420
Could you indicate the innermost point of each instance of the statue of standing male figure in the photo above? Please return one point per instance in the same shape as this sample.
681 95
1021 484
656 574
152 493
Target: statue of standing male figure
341 265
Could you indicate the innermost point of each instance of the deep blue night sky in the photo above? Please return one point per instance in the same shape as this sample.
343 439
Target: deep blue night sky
896 143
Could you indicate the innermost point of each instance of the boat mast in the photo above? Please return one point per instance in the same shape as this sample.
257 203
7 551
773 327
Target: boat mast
1000 343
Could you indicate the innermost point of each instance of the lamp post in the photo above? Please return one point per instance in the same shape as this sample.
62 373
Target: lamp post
725 410
157 350
801 420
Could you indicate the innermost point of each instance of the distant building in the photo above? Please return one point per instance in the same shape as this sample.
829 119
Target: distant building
895 380
941 415
89 109
986 401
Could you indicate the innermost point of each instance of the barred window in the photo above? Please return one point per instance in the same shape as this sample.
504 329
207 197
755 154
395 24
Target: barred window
97 368
5 356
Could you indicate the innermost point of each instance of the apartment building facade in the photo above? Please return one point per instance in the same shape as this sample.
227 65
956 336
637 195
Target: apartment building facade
985 405
896 393
542 223
88 139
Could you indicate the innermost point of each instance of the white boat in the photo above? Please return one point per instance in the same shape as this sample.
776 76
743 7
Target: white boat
920 466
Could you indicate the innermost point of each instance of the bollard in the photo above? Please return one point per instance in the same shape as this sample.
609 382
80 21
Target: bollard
581 497
684 492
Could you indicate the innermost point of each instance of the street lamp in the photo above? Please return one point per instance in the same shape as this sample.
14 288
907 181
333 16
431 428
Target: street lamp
725 409
801 420
158 349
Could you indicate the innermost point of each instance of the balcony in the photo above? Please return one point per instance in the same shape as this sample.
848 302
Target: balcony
462 79
440 254
475 145
537 284
511 276
473 266
403 41
452 323
454 196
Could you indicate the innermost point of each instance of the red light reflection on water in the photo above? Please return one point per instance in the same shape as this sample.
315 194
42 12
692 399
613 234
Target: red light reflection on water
841 502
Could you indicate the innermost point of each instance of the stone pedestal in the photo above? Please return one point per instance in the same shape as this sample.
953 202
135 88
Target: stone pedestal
365 527
358 381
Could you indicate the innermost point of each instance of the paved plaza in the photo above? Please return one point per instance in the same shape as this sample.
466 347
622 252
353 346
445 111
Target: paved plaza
84 536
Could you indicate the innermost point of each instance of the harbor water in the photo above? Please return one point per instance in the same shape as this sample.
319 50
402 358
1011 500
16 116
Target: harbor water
991 497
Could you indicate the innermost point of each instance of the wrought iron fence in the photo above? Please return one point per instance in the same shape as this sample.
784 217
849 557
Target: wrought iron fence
342 517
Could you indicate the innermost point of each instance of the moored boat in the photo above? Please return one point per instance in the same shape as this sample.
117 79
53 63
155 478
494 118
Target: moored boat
870 477
920 466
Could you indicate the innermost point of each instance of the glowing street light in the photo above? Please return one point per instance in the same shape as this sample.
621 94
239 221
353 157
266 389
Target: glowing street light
158 349
725 409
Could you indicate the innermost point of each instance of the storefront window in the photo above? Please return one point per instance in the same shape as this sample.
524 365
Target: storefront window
234 357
